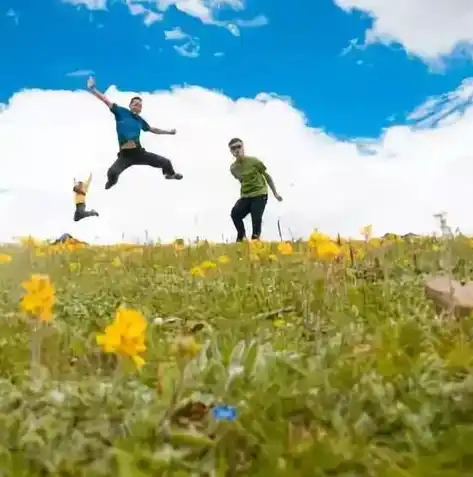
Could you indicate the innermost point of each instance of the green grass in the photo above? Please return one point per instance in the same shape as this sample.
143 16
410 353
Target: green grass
335 369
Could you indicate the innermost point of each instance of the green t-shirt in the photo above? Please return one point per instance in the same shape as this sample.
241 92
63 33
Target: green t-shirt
250 172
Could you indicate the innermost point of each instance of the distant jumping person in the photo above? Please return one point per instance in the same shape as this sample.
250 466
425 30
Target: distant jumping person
254 180
129 125
80 192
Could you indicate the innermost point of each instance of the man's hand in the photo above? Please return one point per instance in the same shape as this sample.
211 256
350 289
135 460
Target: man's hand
91 82
278 197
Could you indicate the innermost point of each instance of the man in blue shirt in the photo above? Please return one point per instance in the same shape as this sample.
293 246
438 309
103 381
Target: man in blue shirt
129 125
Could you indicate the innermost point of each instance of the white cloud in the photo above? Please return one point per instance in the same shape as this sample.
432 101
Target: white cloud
205 10
90 4
152 17
175 34
189 49
80 73
430 29
396 182
219 54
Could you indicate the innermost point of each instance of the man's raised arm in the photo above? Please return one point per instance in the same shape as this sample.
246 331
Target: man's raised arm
91 87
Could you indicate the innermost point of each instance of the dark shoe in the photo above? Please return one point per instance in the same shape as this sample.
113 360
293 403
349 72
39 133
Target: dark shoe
175 176
108 185
94 213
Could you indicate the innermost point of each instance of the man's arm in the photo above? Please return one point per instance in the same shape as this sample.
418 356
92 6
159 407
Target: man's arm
171 132
91 87
269 181
88 181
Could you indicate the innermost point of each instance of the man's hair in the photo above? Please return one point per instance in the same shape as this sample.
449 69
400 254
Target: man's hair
234 141
135 98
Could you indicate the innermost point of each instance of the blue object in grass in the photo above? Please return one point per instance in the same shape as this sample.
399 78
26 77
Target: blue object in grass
224 413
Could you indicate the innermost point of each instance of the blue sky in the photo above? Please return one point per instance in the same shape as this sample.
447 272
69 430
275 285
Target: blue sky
297 54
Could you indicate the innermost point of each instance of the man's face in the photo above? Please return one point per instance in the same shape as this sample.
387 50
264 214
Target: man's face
136 106
237 149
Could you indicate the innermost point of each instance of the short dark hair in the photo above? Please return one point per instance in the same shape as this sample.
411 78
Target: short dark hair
234 141
135 97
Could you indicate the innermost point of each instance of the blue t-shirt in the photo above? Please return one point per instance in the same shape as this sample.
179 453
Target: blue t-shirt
129 124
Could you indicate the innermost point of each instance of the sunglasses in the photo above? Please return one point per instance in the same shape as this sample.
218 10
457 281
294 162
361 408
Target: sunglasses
236 147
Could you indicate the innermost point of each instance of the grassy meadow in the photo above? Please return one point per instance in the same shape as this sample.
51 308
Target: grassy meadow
114 359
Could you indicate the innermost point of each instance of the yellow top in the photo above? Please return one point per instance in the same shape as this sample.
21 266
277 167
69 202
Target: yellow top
79 198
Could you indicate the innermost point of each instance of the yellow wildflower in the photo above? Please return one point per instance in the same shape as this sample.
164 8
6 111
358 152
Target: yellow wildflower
40 297
223 259
116 262
327 250
207 265
197 272
285 248
125 336
4 258
272 257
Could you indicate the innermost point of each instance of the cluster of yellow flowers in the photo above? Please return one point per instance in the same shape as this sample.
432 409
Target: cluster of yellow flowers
40 297
203 268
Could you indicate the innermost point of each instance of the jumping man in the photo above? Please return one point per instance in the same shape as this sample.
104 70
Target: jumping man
129 125
80 191
254 180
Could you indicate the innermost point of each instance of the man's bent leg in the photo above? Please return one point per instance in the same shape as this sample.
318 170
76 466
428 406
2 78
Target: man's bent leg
116 169
239 211
82 213
79 212
159 162
257 206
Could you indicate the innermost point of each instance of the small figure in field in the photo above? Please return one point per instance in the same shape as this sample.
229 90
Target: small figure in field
129 125
254 180
80 192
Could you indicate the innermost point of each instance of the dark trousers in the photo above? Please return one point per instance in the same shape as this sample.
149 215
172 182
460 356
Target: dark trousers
81 212
136 157
249 205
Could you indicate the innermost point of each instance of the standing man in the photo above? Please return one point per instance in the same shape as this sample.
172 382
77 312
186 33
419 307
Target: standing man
254 180
80 192
129 125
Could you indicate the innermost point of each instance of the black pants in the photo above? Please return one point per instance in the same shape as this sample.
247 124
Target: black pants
136 157
249 205
82 213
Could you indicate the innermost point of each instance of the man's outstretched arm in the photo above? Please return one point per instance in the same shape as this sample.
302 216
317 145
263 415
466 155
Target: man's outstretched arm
162 131
91 87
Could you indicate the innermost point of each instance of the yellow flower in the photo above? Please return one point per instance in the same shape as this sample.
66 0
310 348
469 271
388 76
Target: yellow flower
185 347
272 257
285 248
4 258
278 323
116 262
40 297
327 250
223 260
126 335
197 272
207 265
